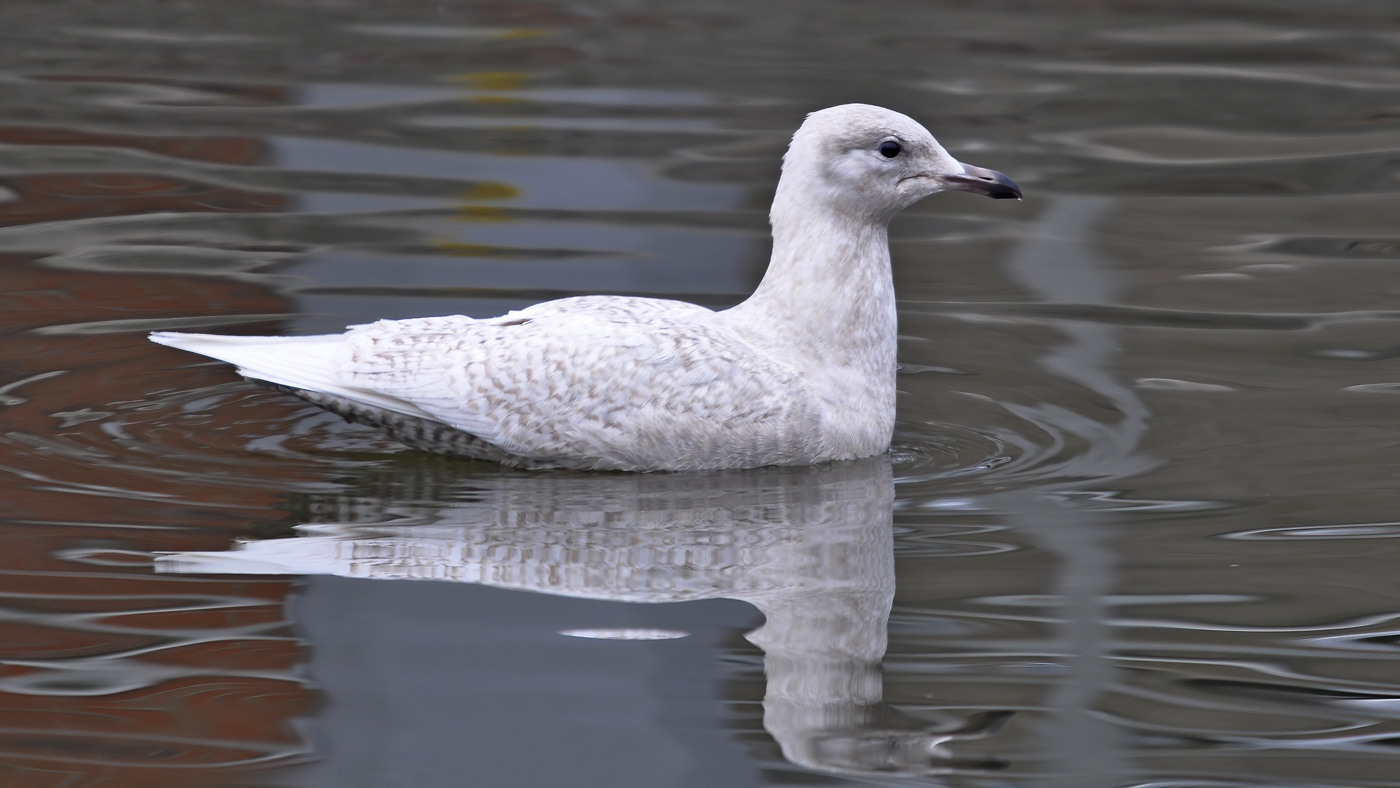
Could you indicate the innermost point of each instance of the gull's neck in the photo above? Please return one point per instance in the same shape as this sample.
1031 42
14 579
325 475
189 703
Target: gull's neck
827 298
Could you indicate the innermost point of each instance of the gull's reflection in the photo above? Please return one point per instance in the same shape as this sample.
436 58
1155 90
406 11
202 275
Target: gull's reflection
811 548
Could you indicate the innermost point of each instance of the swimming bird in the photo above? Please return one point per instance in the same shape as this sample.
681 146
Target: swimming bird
802 372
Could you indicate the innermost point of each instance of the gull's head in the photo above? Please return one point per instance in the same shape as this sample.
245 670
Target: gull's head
869 161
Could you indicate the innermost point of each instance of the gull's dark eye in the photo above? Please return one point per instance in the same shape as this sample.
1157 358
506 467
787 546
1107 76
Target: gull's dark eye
889 149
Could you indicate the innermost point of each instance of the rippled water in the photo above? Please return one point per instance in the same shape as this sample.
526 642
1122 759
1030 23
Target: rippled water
1139 526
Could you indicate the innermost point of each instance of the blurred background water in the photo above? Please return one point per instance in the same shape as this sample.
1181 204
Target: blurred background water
1139 526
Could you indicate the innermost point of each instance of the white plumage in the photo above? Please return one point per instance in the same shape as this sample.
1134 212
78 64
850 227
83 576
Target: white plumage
802 372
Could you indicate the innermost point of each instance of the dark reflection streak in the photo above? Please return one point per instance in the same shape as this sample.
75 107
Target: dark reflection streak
1146 316
1059 263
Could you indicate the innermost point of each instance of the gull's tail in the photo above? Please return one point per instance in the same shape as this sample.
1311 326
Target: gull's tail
304 363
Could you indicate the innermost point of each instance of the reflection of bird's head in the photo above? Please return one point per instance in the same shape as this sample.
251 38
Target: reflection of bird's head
872 743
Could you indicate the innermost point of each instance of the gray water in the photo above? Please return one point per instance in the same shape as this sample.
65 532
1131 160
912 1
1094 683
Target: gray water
1139 527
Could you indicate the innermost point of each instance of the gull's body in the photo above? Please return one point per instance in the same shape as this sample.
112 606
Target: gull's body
800 373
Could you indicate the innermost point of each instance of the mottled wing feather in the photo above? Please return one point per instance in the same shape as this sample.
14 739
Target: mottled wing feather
619 380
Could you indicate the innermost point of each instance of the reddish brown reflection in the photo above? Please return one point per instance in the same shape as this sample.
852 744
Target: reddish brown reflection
110 675
46 198
214 149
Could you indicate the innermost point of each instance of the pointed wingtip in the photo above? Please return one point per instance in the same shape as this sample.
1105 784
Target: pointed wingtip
174 338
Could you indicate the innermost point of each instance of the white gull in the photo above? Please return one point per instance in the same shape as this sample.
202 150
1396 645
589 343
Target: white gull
802 372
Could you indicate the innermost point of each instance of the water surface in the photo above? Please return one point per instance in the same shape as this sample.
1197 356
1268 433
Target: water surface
1139 526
